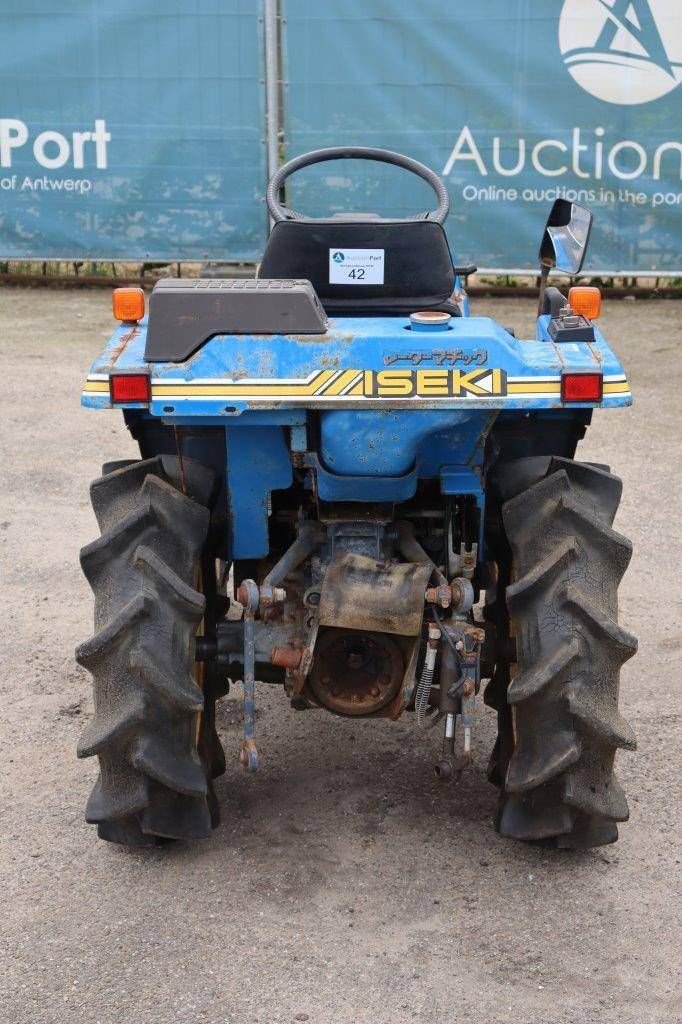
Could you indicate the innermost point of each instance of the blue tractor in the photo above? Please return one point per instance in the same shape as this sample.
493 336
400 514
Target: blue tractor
352 489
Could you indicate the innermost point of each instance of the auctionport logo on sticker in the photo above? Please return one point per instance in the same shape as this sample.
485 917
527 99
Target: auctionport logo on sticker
623 51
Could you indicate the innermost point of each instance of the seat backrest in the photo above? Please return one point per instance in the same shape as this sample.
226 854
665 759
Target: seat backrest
409 268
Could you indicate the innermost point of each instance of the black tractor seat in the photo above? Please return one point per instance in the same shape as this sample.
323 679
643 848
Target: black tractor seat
408 262
417 265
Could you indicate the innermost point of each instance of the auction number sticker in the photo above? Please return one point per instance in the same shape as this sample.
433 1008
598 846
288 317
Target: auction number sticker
356 266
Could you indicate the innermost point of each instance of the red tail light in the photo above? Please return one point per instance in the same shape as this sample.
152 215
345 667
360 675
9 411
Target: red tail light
582 387
129 387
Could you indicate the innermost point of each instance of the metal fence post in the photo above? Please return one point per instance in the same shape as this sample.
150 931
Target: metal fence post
272 82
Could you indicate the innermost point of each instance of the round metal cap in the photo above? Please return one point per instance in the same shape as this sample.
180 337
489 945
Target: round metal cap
430 318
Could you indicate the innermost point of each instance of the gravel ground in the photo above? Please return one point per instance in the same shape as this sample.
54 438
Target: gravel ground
345 886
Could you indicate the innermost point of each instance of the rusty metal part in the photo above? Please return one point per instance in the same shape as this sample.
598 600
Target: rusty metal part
468 645
440 595
356 673
311 597
445 768
466 720
449 675
412 551
448 706
458 684
430 317
309 649
458 595
310 536
249 757
119 349
272 595
462 594
468 560
286 657
247 595
360 593
296 678
227 646
468 687
268 595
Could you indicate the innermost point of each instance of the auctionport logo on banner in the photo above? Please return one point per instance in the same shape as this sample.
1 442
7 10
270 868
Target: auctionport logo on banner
49 150
623 51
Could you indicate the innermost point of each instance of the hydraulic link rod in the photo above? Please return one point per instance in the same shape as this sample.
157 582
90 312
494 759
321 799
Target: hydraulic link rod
412 551
248 596
309 539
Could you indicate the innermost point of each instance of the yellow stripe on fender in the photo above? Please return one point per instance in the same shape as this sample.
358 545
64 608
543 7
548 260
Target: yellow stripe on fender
394 383
265 389
527 387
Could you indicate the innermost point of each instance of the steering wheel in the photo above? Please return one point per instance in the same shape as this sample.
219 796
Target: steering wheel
278 212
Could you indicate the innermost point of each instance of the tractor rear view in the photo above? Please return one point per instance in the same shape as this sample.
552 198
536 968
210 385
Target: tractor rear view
352 489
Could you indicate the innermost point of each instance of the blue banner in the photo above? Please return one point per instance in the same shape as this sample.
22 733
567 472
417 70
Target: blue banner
136 129
131 129
515 102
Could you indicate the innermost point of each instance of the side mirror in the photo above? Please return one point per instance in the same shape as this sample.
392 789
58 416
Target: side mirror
567 232
564 242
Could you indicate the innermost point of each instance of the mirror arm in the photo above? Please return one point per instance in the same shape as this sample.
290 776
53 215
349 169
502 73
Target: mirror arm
545 268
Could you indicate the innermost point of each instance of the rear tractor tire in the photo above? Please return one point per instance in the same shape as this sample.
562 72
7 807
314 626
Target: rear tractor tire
151 718
560 726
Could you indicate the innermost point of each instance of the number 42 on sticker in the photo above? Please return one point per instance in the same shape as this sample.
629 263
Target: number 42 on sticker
356 266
